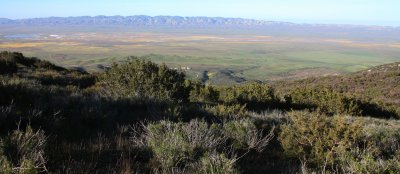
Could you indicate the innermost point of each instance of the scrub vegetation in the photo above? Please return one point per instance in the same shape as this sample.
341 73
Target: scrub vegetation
141 117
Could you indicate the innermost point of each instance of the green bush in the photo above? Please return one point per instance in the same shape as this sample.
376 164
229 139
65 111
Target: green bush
203 94
140 78
252 93
254 96
227 111
325 100
318 138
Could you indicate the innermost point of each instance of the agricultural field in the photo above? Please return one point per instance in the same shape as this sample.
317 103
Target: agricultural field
232 56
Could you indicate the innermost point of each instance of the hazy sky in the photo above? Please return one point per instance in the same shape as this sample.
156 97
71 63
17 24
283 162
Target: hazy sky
370 12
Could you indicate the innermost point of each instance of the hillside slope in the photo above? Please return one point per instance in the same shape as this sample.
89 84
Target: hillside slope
140 117
378 85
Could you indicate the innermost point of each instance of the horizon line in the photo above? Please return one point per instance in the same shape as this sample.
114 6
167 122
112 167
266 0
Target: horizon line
264 20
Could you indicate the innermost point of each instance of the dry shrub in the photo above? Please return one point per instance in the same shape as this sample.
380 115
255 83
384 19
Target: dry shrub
23 151
337 144
197 144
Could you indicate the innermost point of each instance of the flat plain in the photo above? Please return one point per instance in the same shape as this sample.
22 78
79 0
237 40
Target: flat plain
204 53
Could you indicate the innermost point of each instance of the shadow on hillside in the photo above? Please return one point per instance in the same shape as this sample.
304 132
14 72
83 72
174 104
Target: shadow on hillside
367 109
374 110
69 113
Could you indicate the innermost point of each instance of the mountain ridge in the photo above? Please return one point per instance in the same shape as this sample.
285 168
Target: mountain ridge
143 20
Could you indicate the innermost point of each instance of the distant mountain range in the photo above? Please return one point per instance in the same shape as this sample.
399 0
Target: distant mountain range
169 21
213 25
140 20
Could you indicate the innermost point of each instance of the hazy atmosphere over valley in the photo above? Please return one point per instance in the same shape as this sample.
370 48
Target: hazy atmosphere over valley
213 86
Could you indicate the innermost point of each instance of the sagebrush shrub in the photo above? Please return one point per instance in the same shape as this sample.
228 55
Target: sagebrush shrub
319 138
24 151
174 144
216 163
245 135
182 145
339 144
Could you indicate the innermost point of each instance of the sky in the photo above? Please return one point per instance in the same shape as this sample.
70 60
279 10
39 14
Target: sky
360 12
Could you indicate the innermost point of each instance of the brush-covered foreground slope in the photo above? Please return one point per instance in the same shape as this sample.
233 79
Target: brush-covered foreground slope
140 117
12 63
378 85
